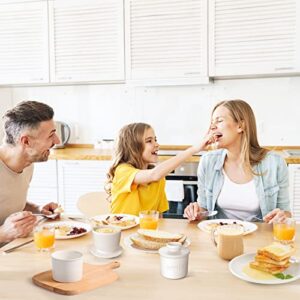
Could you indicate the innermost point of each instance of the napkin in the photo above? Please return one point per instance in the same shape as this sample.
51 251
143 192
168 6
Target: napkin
175 190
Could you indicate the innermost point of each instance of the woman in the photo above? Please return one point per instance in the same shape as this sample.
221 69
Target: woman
241 180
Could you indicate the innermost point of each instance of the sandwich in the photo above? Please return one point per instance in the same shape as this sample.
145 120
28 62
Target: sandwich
273 258
155 239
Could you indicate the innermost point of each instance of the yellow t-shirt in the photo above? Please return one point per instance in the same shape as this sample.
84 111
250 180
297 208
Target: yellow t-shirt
129 198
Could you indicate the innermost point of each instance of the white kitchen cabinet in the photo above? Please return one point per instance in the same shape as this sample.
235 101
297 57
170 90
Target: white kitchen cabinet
254 38
86 40
294 177
166 41
77 177
44 184
24 43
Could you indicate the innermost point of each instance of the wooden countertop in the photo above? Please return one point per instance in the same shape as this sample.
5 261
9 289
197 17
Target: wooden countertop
87 152
139 273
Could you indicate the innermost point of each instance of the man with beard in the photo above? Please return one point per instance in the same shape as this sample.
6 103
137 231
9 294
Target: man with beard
29 135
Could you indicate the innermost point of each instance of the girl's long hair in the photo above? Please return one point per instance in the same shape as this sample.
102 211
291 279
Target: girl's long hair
129 149
252 153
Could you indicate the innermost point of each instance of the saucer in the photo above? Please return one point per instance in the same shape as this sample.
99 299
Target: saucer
102 254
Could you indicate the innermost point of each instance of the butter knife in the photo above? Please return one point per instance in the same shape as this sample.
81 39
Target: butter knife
18 246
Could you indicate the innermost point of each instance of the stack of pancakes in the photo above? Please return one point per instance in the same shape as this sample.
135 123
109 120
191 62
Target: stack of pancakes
273 259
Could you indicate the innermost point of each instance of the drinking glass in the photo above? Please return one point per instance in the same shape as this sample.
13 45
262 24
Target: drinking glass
44 237
284 231
149 219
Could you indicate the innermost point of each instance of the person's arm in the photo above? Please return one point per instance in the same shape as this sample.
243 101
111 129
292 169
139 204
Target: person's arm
164 168
282 210
47 209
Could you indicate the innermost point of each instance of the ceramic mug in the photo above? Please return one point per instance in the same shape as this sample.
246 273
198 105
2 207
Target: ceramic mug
107 239
67 266
229 240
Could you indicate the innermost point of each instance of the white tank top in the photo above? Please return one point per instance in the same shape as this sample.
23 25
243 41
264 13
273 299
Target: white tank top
238 201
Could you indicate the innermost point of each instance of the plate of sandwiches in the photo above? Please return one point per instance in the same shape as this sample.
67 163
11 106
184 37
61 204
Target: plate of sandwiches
122 221
209 225
272 264
150 241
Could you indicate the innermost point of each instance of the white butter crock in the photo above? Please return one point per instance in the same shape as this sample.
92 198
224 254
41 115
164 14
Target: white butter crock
174 260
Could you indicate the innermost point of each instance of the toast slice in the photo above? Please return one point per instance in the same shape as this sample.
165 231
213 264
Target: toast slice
269 268
265 259
159 236
277 251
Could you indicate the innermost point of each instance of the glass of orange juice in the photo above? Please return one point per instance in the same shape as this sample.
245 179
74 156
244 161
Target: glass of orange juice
284 231
44 237
149 219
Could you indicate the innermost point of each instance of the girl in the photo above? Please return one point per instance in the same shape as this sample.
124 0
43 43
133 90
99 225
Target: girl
134 183
242 180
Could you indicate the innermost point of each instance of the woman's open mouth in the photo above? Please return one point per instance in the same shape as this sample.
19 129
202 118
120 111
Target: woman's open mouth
217 136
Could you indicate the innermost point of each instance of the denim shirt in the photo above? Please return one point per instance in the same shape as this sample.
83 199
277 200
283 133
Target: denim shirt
271 187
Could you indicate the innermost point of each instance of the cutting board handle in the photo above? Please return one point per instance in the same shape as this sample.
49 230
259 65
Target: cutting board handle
113 265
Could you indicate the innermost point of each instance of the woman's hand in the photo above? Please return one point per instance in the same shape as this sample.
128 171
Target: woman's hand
192 212
276 215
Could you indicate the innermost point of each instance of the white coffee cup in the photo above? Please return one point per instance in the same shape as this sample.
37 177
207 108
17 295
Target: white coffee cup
67 266
107 239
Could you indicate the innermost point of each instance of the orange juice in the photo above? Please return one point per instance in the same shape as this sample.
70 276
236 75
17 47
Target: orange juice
148 223
44 238
283 232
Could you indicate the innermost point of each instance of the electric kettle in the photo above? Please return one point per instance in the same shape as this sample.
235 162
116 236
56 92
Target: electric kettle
63 131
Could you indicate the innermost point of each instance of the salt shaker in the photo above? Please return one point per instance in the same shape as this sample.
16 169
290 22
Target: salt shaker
174 260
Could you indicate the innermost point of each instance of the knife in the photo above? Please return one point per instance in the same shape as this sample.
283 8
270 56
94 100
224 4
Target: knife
18 246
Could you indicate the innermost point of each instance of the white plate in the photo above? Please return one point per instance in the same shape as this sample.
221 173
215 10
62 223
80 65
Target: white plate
101 254
237 264
248 227
125 217
86 226
129 243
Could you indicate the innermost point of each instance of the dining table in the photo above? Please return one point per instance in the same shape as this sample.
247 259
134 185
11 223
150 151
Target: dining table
208 275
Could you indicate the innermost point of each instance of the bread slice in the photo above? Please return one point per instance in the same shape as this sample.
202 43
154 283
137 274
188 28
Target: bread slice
140 242
277 251
265 259
159 236
268 268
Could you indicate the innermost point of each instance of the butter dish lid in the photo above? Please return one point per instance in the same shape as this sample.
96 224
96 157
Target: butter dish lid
174 250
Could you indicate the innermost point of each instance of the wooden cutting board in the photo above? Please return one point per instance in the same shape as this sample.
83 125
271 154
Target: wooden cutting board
94 276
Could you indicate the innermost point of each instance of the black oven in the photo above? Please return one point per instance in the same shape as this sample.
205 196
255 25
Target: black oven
187 173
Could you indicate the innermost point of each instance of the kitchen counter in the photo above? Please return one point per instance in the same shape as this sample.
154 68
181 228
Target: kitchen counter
139 273
87 152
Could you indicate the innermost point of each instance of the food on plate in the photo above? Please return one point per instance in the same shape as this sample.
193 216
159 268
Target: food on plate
115 220
58 210
155 239
214 225
67 230
273 258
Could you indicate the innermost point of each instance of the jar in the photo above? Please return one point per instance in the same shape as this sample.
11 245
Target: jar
174 260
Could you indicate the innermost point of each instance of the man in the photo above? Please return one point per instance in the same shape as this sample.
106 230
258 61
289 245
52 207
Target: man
29 135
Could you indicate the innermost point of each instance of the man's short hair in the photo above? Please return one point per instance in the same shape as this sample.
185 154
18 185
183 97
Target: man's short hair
27 114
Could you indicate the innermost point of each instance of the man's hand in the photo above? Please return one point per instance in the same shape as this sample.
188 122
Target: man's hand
49 208
17 225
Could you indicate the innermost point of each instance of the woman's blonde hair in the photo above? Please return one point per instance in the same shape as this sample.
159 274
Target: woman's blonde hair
129 149
252 153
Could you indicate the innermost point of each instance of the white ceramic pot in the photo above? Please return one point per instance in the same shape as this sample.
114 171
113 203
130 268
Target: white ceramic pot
67 266
174 260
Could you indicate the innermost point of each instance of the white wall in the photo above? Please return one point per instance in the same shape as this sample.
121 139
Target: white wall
5 103
179 114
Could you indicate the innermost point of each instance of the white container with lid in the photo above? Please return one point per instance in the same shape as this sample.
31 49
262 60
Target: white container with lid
174 259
